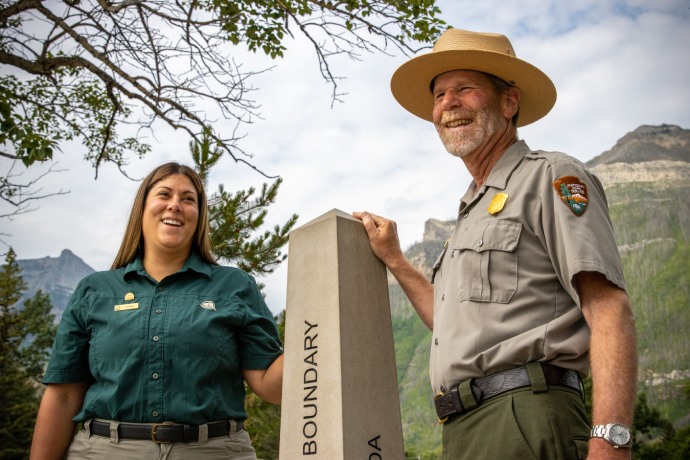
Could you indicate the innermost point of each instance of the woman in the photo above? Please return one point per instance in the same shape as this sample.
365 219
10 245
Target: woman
153 354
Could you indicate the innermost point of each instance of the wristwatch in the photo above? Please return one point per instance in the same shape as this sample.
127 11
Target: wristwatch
616 434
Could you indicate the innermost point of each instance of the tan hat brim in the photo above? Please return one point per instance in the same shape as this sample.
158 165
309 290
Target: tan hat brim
410 83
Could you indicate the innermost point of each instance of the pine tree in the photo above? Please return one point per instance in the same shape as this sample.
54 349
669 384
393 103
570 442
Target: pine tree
236 218
26 335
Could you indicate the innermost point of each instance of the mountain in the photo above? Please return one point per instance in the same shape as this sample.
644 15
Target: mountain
57 276
647 144
646 176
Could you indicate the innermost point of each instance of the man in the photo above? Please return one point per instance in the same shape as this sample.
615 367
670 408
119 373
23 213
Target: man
528 293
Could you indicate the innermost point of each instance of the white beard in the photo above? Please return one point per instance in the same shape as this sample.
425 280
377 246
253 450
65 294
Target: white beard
461 143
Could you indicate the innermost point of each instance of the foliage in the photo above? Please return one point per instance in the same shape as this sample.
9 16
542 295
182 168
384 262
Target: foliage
652 225
25 339
655 437
83 70
235 217
421 431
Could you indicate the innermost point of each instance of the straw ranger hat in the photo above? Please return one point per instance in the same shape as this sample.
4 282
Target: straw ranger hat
464 50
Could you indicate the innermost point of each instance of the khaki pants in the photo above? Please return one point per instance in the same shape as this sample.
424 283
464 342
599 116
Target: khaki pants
234 446
521 424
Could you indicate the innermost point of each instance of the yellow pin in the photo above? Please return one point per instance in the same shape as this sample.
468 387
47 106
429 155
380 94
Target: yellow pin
497 203
129 296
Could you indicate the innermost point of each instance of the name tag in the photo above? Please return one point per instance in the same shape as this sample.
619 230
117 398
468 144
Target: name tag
127 306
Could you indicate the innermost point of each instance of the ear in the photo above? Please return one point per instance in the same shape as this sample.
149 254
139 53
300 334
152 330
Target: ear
511 102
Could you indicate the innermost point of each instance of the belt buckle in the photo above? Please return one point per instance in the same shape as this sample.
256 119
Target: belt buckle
443 420
154 429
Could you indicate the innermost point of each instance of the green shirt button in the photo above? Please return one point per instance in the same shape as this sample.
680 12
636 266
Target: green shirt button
155 375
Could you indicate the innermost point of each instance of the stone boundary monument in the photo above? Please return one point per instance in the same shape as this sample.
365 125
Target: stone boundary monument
340 389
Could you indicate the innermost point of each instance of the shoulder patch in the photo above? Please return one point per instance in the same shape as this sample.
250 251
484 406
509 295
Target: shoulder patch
573 193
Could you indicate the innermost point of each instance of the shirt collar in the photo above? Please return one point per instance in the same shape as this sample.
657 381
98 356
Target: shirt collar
504 167
193 263
500 173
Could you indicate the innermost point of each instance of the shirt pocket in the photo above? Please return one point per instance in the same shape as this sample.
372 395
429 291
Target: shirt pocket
437 265
202 325
488 262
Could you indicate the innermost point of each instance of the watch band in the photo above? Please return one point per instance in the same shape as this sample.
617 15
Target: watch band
599 431
611 431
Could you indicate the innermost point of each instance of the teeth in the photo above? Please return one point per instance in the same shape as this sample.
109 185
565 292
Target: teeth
454 123
172 222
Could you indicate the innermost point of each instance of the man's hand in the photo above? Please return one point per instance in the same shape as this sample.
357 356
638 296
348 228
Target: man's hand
384 241
383 237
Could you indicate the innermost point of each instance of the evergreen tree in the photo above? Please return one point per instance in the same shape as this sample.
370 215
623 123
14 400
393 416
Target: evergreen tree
235 218
26 335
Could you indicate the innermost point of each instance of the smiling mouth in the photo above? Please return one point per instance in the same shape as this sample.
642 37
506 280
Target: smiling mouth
176 223
458 122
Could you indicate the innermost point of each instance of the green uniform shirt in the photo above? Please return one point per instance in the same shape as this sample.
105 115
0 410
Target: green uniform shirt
503 286
167 351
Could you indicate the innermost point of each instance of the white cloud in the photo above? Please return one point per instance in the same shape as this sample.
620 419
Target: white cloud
616 65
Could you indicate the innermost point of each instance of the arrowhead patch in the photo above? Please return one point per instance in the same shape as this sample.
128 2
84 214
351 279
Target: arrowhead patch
573 193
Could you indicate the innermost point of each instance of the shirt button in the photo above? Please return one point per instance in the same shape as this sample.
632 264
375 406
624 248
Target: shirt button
467 214
480 243
154 375
161 288
155 338
159 312
443 297
436 341
154 413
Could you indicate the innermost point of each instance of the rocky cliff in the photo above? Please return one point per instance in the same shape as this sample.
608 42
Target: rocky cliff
57 276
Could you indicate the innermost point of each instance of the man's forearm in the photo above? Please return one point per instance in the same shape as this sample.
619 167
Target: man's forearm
417 288
613 358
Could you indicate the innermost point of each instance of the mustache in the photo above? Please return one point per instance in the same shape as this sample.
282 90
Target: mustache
457 114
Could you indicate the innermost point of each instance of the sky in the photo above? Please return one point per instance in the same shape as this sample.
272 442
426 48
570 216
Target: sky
616 65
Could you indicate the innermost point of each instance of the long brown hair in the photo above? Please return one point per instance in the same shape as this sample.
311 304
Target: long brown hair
132 241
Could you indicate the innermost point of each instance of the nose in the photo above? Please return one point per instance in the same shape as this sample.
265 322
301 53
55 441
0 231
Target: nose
174 205
451 99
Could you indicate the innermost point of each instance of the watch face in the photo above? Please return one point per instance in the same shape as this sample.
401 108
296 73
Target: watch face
619 434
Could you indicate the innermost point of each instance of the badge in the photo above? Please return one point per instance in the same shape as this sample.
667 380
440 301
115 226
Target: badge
208 305
573 193
129 297
127 306
497 203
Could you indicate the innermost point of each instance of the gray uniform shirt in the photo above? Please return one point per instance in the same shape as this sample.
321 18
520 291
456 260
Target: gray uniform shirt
504 291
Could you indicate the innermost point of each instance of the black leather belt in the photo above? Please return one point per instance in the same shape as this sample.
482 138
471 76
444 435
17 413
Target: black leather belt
163 432
483 388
